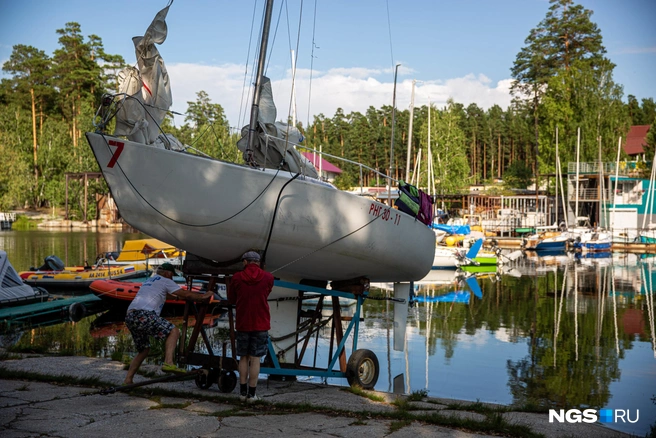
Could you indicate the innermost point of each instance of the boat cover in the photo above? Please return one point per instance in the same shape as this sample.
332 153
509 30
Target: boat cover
277 151
142 249
148 88
11 285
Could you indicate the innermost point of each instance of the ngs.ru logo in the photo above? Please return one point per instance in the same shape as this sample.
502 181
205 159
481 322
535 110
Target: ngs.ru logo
592 416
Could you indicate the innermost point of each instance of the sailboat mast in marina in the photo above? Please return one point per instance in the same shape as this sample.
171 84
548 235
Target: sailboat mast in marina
275 203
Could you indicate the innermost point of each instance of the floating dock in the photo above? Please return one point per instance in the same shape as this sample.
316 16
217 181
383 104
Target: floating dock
50 312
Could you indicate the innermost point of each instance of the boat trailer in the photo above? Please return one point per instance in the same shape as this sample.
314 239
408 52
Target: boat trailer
361 369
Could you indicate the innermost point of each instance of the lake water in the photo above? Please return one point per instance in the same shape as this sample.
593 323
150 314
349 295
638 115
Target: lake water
557 332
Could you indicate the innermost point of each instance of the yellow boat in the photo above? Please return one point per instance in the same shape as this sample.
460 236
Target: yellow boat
53 274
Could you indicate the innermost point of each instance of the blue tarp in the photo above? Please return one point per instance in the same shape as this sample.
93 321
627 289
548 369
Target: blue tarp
460 296
453 229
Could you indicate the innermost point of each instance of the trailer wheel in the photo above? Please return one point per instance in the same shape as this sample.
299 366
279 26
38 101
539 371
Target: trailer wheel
227 381
204 378
362 369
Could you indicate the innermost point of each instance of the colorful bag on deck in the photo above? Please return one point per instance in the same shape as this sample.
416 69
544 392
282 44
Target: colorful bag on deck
414 202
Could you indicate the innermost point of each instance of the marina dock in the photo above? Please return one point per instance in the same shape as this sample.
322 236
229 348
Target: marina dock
519 242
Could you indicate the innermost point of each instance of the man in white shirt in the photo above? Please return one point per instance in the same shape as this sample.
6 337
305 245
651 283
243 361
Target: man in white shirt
143 318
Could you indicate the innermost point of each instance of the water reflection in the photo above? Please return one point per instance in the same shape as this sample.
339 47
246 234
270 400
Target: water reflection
561 331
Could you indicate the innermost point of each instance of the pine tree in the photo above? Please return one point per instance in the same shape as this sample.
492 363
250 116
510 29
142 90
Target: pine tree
566 38
30 67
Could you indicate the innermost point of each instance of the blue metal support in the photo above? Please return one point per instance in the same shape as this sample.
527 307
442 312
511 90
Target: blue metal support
353 325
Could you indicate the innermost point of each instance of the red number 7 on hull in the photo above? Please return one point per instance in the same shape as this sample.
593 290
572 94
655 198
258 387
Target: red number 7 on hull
119 148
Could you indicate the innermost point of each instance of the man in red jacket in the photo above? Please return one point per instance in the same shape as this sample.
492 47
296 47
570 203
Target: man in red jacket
249 290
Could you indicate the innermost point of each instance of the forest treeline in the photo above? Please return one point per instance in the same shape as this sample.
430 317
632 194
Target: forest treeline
562 82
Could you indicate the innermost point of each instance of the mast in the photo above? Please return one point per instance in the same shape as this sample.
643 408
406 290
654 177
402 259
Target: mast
560 181
429 157
578 153
557 176
255 109
389 187
412 108
293 90
617 175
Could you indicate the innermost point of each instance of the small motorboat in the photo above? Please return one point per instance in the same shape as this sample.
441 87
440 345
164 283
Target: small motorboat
121 293
548 241
594 241
54 274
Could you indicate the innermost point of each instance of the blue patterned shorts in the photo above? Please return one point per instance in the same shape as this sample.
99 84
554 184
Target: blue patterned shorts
145 323
252 343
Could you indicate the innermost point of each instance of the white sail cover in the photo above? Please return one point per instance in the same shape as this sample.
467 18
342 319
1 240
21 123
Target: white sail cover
277 151
139 117
11 285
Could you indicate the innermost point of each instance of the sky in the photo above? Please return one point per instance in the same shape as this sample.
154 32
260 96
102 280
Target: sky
460 49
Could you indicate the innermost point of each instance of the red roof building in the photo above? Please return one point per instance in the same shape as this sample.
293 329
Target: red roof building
636 140
328 170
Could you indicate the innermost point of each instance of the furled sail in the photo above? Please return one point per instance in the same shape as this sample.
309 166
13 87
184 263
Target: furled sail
276 151
148 88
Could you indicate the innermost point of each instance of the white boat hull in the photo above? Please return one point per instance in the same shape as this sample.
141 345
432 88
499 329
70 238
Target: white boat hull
220 210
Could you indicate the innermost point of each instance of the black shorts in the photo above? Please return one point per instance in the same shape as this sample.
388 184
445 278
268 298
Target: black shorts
252 343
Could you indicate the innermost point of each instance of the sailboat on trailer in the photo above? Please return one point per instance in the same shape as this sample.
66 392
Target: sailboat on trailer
305 228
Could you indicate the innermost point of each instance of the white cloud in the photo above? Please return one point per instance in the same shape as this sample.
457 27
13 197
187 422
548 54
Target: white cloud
352 89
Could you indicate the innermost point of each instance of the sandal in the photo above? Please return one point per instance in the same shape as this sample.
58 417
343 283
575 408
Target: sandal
168 368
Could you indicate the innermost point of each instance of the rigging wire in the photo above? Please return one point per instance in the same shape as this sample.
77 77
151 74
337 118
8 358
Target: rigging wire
314 28
292 97
389 29
328 244
248 55
275 34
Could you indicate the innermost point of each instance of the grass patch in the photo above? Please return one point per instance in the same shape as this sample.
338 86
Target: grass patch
362 393
172 405
22 222
358 423
398 425
33 349
531 406
402 404
118 356
478 407
6 355
418 395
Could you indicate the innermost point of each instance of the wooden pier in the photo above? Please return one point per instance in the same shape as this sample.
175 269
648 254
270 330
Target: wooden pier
6 220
